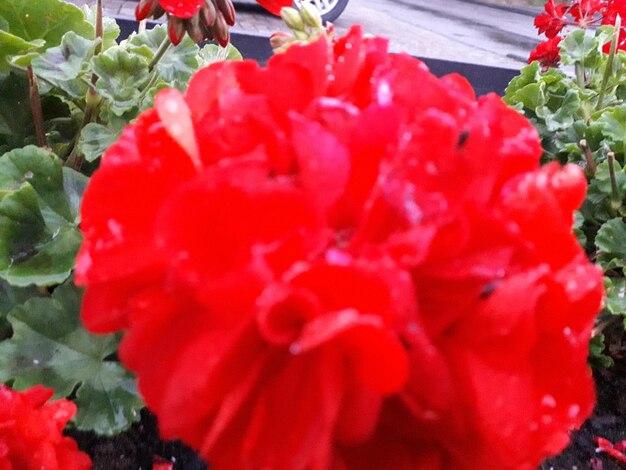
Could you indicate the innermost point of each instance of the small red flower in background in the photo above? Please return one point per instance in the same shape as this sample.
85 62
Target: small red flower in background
31 432
547 53
553 20
576 13
201 19
320 265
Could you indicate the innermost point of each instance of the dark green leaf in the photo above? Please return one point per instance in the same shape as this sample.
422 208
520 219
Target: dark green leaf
611 238
38 25
39 234
597 357
50 347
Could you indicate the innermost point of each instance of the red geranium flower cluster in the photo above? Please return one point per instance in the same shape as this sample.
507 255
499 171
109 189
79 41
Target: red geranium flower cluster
31 432
201 19
341 261
575 13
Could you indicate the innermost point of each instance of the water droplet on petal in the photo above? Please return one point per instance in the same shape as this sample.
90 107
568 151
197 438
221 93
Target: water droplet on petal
573 411
548 401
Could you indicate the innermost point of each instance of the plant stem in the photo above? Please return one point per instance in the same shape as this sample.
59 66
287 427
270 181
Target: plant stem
591 164
35 107
579 68
163 48
92 100
616 200
608 70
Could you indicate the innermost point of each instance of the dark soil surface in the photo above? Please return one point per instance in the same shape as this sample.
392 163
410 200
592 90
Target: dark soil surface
136 449
140 447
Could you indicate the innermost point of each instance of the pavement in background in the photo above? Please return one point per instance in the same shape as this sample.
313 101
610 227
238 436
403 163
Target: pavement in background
459 30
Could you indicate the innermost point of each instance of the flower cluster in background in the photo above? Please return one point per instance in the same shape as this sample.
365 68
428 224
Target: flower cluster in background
573 14
31 432
320 265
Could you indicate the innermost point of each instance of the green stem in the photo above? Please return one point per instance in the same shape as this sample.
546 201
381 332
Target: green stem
153 79
608 69
163 48
579 67
616 200
92 99
591 164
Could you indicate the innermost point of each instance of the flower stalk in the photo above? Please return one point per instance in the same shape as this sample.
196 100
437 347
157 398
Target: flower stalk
608 71
163 48
35 107
590 169
616 200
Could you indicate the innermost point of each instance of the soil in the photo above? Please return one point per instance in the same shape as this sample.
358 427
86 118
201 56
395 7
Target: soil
137 449
140 447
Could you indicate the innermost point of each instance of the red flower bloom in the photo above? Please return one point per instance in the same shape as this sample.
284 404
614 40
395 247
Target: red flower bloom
587 12
547 53
31 432
320 265
553 20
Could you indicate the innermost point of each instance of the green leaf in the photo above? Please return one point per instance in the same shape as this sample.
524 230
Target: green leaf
600 187
11 45
579 47
177 65
611 241
611 238
614 122
10 297
121 76
531 96
39 234
615 301
50 347
62 66
212 53
564 116
95 139
529 74
15 115
38 25
579 220
597 358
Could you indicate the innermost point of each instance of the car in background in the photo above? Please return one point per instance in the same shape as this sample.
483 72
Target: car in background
330 9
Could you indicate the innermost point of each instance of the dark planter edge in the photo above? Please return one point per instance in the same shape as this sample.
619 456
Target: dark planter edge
485 79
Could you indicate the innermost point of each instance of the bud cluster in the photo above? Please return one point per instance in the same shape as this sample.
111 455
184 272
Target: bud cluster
211 21
306 24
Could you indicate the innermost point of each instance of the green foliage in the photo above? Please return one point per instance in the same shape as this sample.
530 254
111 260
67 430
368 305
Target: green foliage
121 78
581 119
50 347
39 234
36 26
90 89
